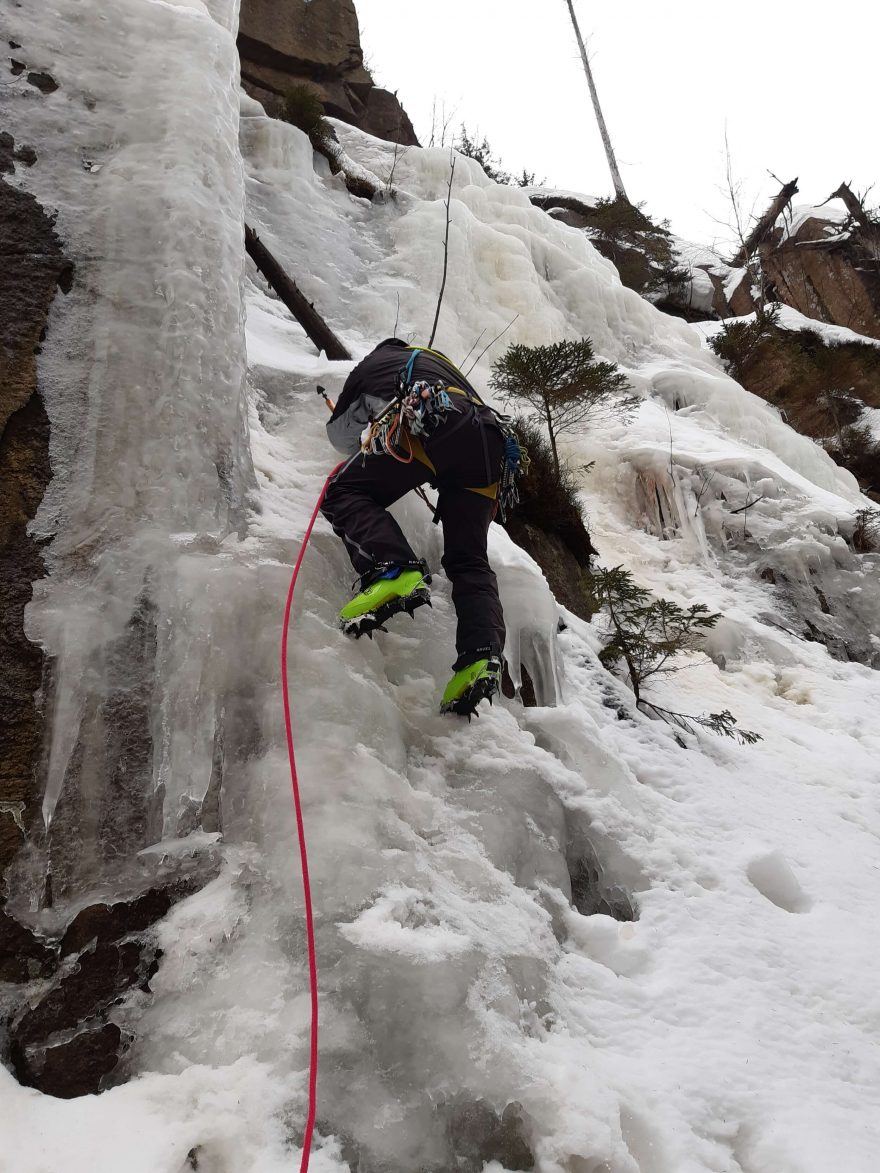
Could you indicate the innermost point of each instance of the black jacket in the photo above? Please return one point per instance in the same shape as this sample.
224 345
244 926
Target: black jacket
373 384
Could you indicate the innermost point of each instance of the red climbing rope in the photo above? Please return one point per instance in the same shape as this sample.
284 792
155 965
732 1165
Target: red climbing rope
307 891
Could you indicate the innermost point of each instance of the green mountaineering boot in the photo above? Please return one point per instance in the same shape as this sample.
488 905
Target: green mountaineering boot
478 681
397 590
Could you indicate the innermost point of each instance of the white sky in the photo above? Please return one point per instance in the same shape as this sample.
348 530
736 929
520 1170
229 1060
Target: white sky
794 83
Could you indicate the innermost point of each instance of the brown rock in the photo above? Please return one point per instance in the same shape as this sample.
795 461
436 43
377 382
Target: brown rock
829 276
60 1040
76 1066
44 82
23 955
283 44
97 978
31 265
7 146
569 578
740 301
104 923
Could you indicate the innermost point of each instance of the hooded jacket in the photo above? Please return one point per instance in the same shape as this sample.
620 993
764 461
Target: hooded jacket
374 383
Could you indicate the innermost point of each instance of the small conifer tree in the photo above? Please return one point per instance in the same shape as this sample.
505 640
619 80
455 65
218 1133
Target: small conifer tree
482 153
866 532
739 342
647 635
643 251
563 383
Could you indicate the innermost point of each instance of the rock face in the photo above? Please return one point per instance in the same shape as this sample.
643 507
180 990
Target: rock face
33 266
283 43
827 269
62 1039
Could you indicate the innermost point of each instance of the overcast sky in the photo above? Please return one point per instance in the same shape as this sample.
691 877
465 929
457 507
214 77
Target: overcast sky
794 84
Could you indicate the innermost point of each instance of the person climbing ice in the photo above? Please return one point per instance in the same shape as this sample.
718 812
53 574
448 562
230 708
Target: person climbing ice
407 416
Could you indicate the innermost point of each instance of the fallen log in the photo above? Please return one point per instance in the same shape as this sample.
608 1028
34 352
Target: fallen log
293 297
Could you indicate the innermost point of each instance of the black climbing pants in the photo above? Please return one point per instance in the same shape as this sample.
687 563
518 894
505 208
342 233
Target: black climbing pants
466 450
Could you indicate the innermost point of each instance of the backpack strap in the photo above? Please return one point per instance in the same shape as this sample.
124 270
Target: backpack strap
407 372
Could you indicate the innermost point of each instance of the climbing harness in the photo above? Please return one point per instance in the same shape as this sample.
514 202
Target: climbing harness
300 826
417 409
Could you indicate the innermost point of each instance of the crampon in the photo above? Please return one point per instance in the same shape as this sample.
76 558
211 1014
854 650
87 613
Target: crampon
374 606
478 681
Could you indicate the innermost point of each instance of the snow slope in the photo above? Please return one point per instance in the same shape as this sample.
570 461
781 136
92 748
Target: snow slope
470 1013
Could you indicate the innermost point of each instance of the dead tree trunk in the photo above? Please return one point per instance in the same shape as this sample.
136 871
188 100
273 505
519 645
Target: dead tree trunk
293 297
603 129
853 204
763 226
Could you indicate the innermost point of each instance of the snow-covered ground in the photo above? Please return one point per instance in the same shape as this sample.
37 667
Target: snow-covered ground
733 1026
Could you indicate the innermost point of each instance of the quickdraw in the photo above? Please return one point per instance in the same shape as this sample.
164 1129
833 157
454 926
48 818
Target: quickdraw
515 464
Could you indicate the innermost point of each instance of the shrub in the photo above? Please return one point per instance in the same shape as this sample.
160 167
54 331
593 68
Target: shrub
856 449
549 499
739 343
303 107
563 383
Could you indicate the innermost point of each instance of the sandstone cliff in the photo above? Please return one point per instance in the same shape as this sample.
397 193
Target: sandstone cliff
286 42
825 263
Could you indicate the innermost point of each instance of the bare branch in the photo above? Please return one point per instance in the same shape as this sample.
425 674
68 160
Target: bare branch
472 349
491 344
745 508
445 249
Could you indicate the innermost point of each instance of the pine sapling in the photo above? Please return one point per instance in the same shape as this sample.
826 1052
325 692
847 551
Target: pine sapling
563 383
647 635
866 531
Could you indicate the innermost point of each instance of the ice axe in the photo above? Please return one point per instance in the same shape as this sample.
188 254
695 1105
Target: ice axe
331 406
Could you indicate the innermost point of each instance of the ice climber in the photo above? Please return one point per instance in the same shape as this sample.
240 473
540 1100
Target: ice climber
407 416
